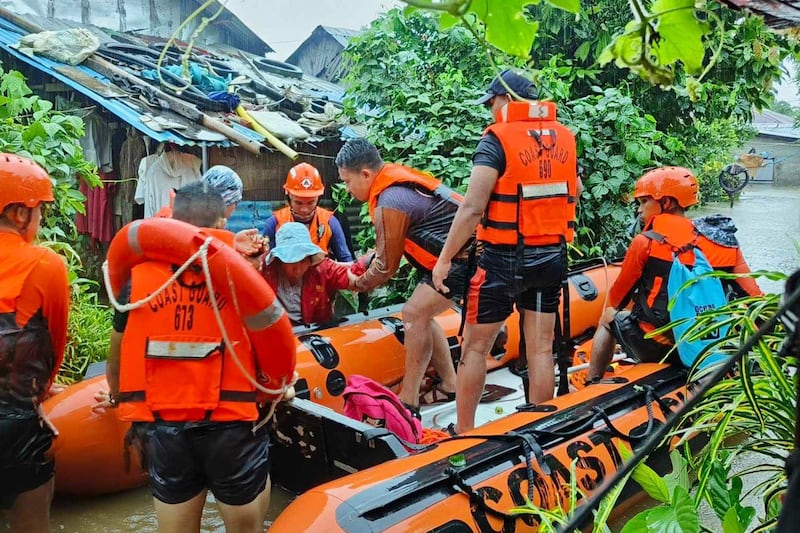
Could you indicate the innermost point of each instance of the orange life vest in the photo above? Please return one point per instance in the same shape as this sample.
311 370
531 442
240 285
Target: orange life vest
319 227
420 250
27 361
533 201
173 364
672 234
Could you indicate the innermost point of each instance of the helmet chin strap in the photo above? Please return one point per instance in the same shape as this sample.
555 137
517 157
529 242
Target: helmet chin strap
309 218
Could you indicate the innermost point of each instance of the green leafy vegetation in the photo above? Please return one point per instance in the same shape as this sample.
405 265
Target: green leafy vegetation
29 126
411 83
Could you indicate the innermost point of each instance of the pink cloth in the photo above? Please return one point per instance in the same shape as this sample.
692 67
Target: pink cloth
98 222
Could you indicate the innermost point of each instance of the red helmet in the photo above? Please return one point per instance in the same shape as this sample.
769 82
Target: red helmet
304 180
22 181
677 182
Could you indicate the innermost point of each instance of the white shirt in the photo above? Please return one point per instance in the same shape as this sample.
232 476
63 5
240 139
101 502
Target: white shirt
160 173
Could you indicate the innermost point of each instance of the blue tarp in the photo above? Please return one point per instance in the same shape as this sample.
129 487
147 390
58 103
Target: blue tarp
10 35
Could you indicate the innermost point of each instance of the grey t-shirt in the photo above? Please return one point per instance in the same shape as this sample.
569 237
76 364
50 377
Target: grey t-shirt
289 296
415 203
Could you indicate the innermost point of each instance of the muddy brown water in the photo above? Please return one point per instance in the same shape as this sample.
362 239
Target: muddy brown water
768 219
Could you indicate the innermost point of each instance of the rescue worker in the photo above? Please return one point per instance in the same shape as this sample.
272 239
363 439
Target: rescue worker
192 417
303 190
34 302
412 212
521 196
304 280
664 194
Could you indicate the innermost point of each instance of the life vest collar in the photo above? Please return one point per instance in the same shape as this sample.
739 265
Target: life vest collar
528 111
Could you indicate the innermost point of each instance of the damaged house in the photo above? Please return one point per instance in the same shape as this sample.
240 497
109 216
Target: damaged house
257 115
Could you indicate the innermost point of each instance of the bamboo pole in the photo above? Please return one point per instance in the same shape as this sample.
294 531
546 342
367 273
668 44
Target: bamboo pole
274 141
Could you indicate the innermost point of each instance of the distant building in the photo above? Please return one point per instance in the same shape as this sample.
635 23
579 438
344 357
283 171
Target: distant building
158 18
321 54
778 143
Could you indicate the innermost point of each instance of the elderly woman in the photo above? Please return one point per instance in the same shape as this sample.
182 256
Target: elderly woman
304 280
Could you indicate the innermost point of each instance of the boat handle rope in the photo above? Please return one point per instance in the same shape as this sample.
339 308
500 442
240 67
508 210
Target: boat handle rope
649 398
202 254
531 449
600 414
475 498
790 302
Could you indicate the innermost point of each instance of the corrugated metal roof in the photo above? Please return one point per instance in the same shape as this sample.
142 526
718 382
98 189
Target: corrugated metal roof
777 14
10 35
342 35
774 124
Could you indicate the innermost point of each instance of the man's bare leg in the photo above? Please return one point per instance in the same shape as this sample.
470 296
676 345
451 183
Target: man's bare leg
30 511
603 345
471 376
247 518
180 517
441 359
539 331
418 312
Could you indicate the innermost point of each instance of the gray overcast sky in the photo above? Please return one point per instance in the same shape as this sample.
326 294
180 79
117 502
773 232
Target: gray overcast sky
284 24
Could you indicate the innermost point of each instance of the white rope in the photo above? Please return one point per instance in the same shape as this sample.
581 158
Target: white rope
136 305
280 392
202 254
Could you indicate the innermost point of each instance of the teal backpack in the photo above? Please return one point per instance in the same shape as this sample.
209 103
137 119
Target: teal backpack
691 292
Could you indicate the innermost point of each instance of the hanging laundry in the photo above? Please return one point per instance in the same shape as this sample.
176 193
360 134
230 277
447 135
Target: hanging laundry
160 173
130 154
98 221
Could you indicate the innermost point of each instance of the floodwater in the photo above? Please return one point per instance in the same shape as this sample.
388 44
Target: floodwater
768 219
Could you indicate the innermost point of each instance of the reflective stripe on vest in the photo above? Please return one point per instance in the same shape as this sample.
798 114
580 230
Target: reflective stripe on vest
534 199
394 174
264 318
319 227
182 350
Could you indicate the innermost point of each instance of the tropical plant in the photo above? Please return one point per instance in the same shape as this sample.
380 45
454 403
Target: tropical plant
89 333
30 126
751 411
678 507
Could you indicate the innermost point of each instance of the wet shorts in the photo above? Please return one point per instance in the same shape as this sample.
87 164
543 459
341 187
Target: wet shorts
494 289
23 462
634 343
185 458
456 279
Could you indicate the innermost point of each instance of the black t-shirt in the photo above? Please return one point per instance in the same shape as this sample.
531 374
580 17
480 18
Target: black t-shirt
120 321
489 153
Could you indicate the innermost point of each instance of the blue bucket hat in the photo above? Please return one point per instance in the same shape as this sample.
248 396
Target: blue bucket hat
293 244
227 181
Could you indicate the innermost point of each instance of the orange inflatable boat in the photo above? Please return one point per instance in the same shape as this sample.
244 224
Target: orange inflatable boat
90 452
470 482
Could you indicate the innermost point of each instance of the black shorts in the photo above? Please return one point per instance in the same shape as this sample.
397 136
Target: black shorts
456 279
632 338
185 458
496 286
24 465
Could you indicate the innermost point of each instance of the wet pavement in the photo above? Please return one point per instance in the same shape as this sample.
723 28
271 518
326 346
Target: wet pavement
768 222
768 219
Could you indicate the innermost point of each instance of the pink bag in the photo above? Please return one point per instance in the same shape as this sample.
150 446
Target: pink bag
370 402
